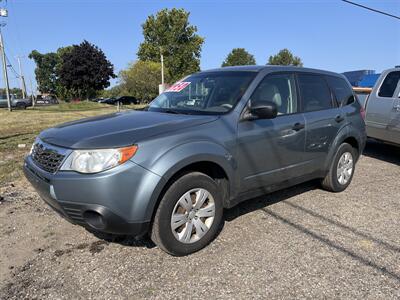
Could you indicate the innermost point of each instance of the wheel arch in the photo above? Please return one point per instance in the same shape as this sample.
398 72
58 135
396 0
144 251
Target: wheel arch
352 141
208 158
345 135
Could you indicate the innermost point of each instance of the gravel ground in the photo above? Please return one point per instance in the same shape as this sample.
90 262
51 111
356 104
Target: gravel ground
302 242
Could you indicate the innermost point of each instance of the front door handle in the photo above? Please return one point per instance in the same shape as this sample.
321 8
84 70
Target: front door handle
298 126
339 118
397 107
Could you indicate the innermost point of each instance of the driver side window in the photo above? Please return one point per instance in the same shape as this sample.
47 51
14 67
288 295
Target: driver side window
280 89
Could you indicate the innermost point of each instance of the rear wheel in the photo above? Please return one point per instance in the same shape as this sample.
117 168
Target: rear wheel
188 216
342 169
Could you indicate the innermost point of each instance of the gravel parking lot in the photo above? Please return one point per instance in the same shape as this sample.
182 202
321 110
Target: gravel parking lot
302 242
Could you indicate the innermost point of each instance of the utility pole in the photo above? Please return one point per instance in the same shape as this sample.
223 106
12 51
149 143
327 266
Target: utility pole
5 75
4 13
21 76
161 87
162 69
33 94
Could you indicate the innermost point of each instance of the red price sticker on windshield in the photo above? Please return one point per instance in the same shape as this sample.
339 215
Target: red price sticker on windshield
179 86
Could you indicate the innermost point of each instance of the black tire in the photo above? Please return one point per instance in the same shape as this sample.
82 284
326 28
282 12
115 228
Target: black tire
331 182
162 234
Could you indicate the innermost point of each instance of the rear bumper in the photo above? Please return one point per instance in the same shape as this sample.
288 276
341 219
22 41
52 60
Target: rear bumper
115 201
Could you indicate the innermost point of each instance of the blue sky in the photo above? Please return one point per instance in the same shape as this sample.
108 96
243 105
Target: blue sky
326 34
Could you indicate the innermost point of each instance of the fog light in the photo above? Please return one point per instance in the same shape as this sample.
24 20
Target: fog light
94 219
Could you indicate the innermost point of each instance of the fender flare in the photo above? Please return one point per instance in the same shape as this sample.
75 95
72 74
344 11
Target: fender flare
183 155
343 134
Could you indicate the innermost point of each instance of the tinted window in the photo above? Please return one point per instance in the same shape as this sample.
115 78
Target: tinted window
389 84
314 92
341 89
279 89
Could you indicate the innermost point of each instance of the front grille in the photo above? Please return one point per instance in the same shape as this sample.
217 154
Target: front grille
47 158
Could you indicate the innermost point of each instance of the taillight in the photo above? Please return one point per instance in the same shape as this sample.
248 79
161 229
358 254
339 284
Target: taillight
362 112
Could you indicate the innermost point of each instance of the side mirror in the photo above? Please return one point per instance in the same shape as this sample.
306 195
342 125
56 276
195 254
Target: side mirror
264 110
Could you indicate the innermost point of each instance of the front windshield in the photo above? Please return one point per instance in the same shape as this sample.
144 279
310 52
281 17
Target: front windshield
204 93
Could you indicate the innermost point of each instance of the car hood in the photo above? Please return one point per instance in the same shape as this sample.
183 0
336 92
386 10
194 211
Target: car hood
118 129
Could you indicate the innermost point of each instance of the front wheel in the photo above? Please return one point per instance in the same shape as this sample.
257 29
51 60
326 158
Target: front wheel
21 105
189 215
342 169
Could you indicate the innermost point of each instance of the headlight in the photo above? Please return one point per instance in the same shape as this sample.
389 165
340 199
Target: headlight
93 161
33 146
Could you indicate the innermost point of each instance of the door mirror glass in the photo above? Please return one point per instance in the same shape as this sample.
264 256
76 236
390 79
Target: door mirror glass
264 110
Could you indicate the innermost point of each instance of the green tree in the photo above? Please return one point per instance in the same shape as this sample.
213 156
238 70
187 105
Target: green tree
141 80
239 57
16 92
62 92
47 68
115 91
84 70
45 71
285 58
170 32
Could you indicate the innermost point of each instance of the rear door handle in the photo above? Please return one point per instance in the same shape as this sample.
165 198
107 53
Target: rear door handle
339 118
298 126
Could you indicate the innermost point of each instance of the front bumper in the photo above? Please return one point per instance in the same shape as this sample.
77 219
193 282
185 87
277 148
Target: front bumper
118 201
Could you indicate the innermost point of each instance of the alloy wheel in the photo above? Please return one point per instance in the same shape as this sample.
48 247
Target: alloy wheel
193 215
345 168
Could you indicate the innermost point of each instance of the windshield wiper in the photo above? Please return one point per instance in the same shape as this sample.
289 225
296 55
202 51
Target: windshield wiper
177 112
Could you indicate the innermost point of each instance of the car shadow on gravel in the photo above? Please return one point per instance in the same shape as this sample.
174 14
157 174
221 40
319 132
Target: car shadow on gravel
382 151
367 261
124 240
262 204
269 199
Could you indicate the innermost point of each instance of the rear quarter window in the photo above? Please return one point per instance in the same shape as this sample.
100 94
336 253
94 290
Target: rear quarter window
341 89
389 85
314 92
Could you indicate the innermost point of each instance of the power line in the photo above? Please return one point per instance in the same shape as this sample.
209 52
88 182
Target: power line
372 9
17 75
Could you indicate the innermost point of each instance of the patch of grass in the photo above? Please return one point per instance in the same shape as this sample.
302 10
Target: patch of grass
22 126
74 106
84 106
10 170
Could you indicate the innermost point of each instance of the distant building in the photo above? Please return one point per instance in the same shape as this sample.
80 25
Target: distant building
362 78
369 80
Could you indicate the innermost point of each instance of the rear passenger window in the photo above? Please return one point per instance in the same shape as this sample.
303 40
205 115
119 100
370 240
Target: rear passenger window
314 92
341 89
389 84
